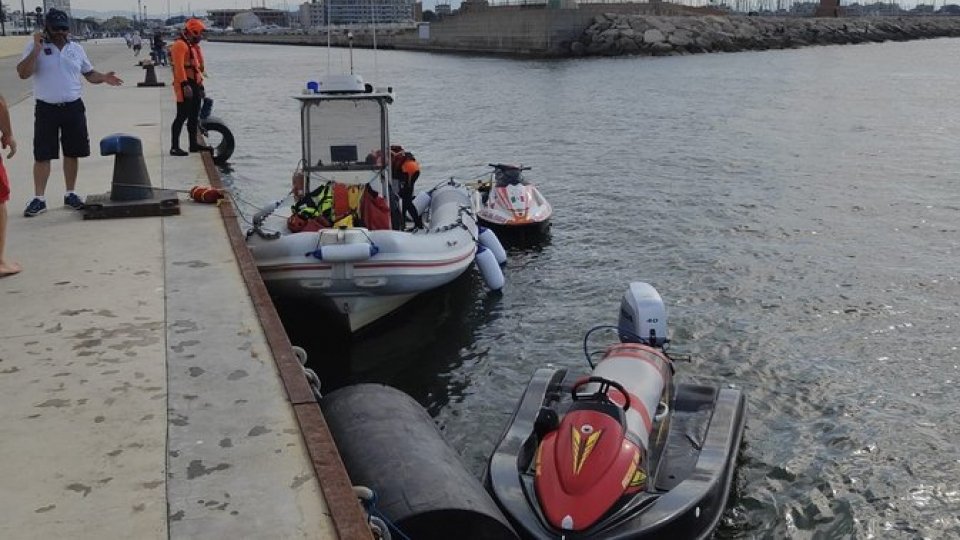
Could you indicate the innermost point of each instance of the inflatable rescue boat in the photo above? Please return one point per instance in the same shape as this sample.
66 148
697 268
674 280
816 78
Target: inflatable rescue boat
352 254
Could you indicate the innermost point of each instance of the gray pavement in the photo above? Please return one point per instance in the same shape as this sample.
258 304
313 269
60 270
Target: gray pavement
138 395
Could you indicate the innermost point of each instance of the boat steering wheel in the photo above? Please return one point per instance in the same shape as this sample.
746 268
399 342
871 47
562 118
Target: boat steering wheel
602 392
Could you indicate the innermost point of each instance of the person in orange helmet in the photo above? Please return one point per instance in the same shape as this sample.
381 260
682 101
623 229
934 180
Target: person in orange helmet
187 61
407 170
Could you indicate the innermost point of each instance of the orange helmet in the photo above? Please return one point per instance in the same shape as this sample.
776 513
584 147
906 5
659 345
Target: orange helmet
410 166
194 27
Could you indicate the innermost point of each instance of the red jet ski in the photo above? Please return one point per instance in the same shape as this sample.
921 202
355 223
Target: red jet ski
623 452
507 202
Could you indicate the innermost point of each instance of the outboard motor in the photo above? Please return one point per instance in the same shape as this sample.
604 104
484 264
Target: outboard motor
642 316
599 452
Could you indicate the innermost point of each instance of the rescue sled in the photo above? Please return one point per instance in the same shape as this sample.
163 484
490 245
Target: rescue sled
353 257
507 203
623 452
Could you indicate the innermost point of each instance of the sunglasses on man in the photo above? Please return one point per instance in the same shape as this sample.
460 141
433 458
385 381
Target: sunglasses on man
60 29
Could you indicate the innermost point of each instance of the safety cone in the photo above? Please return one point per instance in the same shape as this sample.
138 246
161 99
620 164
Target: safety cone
150 78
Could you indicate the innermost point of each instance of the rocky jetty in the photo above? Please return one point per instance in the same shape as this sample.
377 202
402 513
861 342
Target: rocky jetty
614 34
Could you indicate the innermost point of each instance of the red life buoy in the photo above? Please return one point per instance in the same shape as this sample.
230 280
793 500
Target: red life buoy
206 194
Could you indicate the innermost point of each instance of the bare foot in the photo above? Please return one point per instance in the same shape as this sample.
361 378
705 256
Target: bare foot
9 269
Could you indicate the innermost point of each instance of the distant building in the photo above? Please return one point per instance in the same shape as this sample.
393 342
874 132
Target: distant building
223 17
369 11
62 5
443 10
245 20
468 6
312 14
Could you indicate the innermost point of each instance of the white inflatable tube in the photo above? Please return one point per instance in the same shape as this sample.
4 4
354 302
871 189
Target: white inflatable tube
421 202
346 252
489 269
489 240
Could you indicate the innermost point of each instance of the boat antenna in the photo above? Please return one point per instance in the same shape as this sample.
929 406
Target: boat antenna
328 36
350 40
373 15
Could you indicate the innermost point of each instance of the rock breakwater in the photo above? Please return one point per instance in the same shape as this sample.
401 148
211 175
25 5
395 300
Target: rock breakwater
613 34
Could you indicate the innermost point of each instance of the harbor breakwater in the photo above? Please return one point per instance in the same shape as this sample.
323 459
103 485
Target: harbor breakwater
622 29
614 35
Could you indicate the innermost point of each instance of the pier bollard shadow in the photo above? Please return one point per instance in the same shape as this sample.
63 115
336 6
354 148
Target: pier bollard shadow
131 194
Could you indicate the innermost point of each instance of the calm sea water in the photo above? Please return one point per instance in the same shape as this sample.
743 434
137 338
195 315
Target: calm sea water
796 209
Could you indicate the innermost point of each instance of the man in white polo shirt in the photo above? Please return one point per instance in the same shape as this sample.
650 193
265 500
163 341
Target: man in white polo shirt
56 64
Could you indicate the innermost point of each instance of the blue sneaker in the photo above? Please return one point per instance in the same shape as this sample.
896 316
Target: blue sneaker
35 207
73 201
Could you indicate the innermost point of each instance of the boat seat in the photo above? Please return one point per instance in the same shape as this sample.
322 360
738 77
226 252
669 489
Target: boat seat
610 409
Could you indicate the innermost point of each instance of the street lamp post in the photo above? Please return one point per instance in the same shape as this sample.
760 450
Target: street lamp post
139 10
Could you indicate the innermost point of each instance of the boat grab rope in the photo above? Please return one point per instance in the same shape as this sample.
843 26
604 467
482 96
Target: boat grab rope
458 223
256 222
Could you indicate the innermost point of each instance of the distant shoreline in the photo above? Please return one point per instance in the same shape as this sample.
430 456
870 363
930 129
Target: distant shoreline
584 32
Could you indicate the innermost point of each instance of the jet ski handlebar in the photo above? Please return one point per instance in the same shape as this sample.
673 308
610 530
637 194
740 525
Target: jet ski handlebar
602 393
504 166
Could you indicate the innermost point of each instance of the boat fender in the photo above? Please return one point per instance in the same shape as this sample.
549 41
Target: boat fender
421 202
489 240
489 269
390 444
345 252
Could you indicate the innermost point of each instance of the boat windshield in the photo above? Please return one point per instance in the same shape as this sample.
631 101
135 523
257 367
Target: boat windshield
342 139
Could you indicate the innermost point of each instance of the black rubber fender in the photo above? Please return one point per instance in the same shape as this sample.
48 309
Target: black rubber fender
223 151
390 444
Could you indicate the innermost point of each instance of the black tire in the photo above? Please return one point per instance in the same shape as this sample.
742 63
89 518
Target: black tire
224 148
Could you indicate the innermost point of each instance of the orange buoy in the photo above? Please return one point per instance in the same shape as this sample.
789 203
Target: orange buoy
206 194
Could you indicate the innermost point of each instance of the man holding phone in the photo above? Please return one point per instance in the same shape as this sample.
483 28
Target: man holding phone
56 64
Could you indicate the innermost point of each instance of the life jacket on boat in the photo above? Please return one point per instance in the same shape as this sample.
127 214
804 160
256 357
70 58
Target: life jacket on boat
331 205
313 211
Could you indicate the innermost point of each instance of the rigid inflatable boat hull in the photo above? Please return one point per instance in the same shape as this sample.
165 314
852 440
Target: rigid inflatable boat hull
366 274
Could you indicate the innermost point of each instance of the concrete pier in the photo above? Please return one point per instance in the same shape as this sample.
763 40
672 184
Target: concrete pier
146 387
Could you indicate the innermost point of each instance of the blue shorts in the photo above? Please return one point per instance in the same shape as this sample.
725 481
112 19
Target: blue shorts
60 123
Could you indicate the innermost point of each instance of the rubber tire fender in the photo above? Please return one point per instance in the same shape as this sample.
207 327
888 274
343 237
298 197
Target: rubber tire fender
223 151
